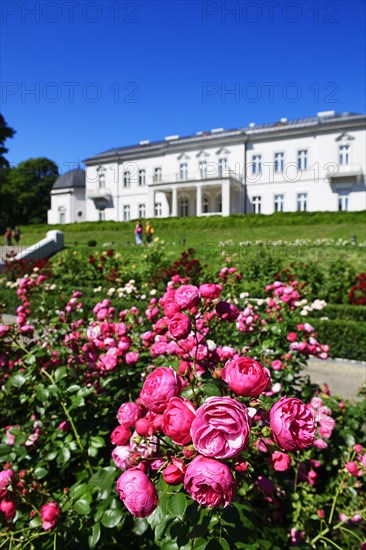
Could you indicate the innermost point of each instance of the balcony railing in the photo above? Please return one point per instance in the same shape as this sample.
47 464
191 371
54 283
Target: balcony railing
336 171
196 177
99 194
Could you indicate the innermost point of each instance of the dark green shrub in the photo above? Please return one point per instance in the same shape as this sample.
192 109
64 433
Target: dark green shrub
347 339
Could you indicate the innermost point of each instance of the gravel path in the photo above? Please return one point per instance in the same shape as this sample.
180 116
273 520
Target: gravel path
343 377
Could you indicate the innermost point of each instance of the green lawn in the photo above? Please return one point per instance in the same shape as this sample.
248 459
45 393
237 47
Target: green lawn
206 233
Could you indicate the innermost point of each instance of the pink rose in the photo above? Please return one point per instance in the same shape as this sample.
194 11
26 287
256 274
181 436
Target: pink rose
8 508
171 308
179 326
209 482
227 311
177 420
246 377
221 428
280 461
137 492
210 291
49 513
293 424
132 357
352 468
121 456
128 413
120 435
173 474
187 296
159 386
6 479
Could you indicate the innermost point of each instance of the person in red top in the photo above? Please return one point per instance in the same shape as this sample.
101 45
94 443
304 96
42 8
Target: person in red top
8 236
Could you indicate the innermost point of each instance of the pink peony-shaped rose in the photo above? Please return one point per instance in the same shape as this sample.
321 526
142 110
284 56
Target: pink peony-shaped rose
187 296
246 377
160 385
8 508
210 291
171 308
137 492
293 424
280 461
49 513
180 326
6 479
177 420
128 413
221 428
209 482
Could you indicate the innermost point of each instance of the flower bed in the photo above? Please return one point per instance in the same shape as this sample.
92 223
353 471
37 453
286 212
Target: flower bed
181 421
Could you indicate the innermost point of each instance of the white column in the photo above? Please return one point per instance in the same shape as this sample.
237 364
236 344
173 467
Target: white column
225 197
198 200
150 210
174 211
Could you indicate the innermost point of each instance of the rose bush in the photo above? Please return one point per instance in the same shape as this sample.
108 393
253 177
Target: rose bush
215 437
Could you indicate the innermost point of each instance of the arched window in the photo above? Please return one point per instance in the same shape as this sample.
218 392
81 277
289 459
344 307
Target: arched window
183 207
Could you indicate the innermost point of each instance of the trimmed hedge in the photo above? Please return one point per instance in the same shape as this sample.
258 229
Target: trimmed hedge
342 311
347 339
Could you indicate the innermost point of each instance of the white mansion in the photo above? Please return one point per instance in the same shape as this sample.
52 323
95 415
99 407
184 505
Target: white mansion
313 164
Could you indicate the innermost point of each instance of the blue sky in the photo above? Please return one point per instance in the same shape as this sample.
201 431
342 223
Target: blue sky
80 77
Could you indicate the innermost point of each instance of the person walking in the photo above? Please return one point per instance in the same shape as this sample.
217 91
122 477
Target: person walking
8 236
149 232
138 232
16 234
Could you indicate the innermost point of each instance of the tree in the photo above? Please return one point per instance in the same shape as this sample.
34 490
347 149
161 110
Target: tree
28 189
5 133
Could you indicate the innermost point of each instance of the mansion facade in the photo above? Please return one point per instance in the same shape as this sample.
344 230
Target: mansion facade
309 164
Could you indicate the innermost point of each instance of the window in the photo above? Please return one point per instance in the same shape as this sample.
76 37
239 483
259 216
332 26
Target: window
343 197
219 203
257 164
157 174
302 200
158 209
279 162
183 171
203 169
205 204
343 154
126 213
101 177
278 203
142 178
222 167
142 211
126 178
257 204
183 207
62 217
302 160
101 215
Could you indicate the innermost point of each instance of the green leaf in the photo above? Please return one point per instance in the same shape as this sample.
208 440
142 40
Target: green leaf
35 522
111 518
40 472
93 539
211 389
97 441
157 517
60 373
104 481
141 525
199 544
178 505
42 394
17 380
63 455
73 388
82 507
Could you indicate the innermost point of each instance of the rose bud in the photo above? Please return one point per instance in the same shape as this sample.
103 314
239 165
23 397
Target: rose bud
137 492
120 435
280 461
49 513
143 427
173 474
